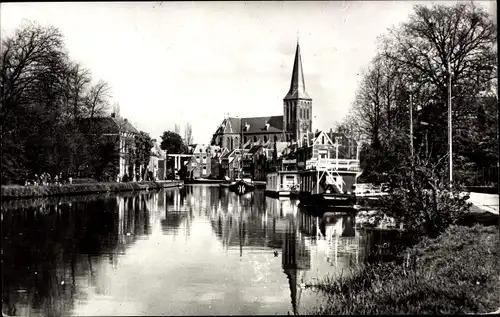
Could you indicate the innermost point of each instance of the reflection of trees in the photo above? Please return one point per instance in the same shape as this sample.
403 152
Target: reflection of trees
49 244
42 246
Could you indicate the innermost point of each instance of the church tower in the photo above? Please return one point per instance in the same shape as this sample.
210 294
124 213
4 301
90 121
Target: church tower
297 114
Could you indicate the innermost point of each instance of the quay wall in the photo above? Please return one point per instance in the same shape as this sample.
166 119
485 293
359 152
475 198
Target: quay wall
16 191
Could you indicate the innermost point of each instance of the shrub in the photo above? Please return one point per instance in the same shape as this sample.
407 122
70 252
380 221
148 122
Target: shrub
456 273
10 192
422 200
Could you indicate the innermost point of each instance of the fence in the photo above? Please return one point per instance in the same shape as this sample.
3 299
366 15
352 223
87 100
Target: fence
486 176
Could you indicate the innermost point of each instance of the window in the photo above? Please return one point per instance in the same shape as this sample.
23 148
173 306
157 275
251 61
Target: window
255 138
265 138
275 138
322 139
245 139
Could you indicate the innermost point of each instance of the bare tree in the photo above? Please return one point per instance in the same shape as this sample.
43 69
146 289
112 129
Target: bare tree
462 37
25 57
78 80
98 99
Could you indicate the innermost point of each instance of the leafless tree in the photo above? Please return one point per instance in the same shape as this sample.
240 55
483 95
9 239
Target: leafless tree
98 99
79 78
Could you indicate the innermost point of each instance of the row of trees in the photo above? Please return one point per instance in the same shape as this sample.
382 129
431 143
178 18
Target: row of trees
410 69
45 96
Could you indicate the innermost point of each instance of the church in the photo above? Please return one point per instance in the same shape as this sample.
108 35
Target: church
292 126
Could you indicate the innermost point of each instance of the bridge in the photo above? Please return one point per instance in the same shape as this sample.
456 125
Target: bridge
178 160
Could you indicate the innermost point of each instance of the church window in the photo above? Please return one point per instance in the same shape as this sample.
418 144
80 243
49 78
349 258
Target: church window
265 138
275 138
231 144
322 139
255 138
245 139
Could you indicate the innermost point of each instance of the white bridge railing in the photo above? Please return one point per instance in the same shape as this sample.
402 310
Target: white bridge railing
340 164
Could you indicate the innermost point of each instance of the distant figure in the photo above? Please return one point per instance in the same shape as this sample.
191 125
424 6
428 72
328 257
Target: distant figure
275 253
70 179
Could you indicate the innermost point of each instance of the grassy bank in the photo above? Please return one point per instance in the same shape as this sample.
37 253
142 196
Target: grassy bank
13 192
456 273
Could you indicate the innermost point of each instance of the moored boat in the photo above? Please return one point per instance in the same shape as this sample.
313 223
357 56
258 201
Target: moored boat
242 185
227 183
282 184
202 181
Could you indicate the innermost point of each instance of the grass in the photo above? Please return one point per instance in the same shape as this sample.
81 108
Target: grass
12 192
455 273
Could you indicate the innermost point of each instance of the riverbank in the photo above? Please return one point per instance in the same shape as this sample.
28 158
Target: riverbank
456 273
16 192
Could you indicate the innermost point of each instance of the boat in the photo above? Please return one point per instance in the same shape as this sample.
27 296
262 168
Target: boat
282 184
243 185
227 182
202 181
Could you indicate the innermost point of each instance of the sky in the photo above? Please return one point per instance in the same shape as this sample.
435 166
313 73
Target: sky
197 62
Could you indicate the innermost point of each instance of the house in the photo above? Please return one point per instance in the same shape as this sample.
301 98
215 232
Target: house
254 162
230 163
156 162
216 164
320 162
118 135
200 164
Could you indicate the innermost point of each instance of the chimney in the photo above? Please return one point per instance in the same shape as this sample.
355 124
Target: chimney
113 115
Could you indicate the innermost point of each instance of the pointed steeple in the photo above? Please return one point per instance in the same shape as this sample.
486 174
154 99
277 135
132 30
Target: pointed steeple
297 85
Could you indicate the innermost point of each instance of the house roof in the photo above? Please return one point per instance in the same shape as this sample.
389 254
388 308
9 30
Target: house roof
109 125
254 149
125 125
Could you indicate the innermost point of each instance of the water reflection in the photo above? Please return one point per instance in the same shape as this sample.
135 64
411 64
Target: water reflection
197 250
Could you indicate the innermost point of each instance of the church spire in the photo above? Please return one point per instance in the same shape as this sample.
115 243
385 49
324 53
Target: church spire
297 85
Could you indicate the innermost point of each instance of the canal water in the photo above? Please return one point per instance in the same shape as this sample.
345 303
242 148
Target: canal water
197 250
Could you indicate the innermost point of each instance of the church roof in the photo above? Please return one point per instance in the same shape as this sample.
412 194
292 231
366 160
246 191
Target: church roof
254 125
297 84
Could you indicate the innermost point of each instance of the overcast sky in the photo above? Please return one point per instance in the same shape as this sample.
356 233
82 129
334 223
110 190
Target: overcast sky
178 62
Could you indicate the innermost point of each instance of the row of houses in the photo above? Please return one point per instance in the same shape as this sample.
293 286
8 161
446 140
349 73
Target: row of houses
257 158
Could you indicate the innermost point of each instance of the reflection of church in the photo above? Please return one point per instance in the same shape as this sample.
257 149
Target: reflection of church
296 261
